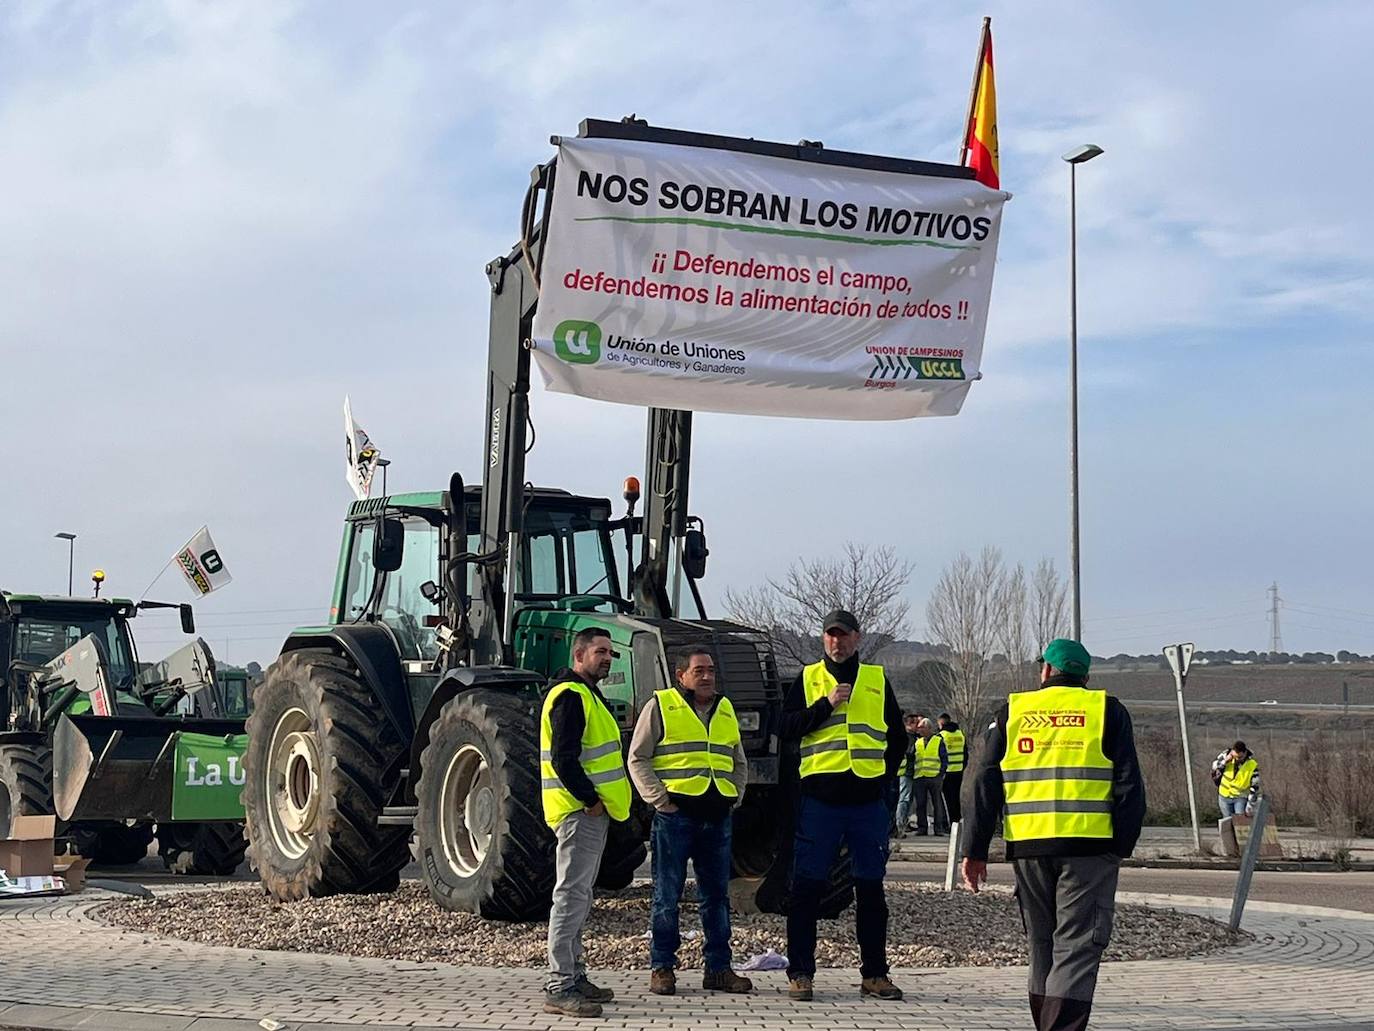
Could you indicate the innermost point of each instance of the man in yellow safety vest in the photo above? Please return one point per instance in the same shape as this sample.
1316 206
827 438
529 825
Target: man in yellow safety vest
1236 775
584 788
931 760
1059 769
954 769
845 720
687 761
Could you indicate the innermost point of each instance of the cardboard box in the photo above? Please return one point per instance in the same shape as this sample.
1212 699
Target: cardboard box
27 852
72 870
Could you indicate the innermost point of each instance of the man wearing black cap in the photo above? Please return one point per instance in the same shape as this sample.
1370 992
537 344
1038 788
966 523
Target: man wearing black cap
845 719
1059 767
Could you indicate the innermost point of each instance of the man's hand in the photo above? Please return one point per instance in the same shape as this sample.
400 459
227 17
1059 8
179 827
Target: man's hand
975 873
841 694
596 810
671 807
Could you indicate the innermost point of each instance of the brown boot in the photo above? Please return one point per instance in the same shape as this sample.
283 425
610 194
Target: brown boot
570 1004
880 988
663 982
799 988
726 981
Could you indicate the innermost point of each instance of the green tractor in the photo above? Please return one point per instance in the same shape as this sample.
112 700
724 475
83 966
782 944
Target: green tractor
414 712
122 754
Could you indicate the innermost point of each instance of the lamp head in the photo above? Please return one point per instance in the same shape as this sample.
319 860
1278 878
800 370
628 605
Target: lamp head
1084 153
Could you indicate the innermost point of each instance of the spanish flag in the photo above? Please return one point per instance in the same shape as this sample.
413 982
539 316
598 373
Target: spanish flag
980 133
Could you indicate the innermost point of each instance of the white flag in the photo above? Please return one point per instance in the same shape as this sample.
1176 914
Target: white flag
360 455
200 563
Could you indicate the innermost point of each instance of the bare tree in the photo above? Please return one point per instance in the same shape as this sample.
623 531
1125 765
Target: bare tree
1048 605
869 582
1014 629
963 614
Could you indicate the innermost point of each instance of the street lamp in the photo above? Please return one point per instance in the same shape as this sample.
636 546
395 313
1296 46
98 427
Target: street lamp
1075 157
70 538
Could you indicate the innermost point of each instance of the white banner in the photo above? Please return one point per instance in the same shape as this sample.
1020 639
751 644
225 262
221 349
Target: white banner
360 455
710 280
200 563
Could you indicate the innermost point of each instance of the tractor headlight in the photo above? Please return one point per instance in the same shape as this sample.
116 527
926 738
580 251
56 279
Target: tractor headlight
748 722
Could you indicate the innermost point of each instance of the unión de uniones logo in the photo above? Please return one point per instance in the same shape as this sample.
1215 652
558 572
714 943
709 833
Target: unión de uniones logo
577 341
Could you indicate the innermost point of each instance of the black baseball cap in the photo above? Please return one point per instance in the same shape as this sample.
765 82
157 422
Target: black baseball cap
842 619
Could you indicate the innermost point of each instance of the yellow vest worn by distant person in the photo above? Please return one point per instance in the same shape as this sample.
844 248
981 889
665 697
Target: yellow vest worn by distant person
1235 780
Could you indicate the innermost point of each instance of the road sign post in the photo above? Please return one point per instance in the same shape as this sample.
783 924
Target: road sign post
1180 657
1247 863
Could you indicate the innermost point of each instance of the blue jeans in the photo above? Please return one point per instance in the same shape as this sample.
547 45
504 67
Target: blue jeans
903 803
676 839
1232 806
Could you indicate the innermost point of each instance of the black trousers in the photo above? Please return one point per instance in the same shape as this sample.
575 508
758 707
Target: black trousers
954 783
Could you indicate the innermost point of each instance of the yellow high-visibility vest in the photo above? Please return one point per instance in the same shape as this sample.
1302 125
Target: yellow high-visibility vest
691 756
928 756
855 735
601 759
954 746
1235 780
1057 779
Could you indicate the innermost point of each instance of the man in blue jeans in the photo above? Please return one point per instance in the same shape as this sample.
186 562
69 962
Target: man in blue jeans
687 762
845 720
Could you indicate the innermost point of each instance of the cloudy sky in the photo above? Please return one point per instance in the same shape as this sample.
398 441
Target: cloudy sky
219 218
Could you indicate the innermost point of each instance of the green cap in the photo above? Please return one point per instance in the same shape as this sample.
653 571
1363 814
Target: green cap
1067 656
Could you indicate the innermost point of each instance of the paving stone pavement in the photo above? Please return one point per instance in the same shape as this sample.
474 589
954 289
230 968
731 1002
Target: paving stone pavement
1309 968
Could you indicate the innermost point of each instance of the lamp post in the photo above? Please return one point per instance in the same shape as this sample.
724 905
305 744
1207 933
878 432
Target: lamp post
1075 157
70 538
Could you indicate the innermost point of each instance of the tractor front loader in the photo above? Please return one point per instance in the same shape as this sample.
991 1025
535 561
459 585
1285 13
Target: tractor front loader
106 746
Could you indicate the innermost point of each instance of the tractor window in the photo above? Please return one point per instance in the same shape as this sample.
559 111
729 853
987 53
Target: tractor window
544 571
401 606
42 640
593 569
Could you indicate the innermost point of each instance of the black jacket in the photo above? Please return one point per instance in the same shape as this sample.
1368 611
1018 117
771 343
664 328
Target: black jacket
1128 791
567 722
799 719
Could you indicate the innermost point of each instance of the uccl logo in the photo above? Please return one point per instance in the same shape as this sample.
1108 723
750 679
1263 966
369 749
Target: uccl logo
577 341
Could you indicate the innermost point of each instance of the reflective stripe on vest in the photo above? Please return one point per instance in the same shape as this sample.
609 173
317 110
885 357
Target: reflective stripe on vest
954 745
928 756
1058 782
1235 780
600 759
690 756
855 736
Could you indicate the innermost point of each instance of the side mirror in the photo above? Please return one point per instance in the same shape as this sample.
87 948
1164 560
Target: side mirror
388 545
188 619
694 552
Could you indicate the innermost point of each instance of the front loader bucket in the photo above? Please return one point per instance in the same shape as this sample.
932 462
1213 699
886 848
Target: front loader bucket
147 768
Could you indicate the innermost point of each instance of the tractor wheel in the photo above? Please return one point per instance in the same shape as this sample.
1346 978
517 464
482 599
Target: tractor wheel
211 849
25 783
483 844
625 853
111 844
764 834
319 751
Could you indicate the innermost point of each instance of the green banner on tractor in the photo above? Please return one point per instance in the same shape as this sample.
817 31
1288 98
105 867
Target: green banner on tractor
208 777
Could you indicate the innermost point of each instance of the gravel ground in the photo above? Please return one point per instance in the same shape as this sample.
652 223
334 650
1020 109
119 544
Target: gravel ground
927 928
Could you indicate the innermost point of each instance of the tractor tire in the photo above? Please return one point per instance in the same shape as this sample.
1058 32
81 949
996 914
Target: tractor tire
25 783
618 866
765 833
483 845
111 844
320 749
206 849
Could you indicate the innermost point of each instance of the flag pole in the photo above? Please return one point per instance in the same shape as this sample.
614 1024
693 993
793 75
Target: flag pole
973 90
